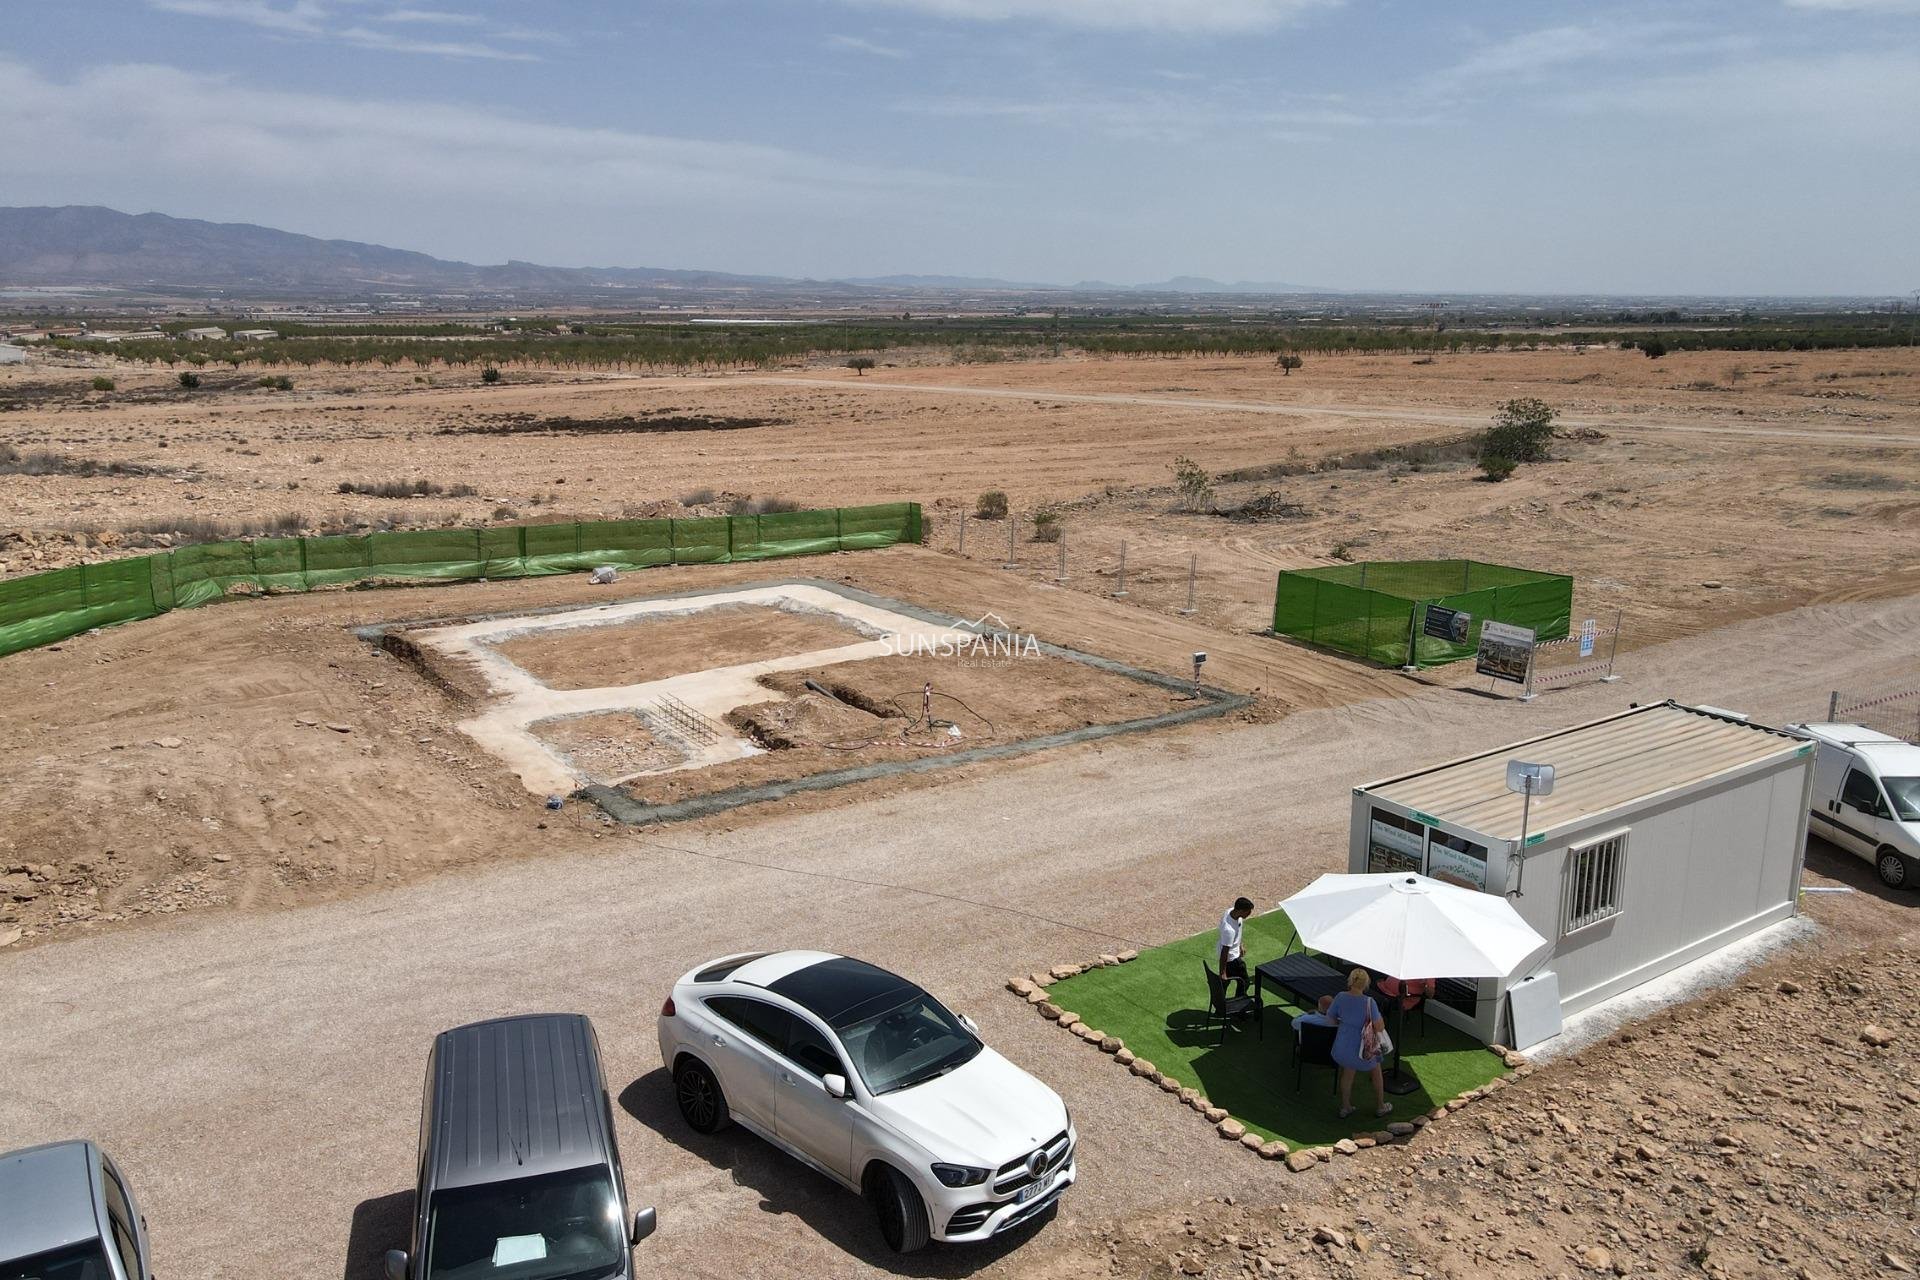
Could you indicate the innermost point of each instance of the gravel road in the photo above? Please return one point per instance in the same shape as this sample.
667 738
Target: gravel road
258 1073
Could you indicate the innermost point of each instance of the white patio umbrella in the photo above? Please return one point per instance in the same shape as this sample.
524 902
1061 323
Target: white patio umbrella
1410 926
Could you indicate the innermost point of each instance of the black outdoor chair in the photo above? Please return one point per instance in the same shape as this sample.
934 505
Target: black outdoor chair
1227 1009
1313 1047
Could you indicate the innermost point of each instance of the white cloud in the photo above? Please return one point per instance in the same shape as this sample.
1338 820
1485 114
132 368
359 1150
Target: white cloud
431 17
312 19
1194 17
131 131
302 17
858 44
388 42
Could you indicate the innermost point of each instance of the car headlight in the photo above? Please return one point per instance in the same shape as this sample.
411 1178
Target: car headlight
960 1175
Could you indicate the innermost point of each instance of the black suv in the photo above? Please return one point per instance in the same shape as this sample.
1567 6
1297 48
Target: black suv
519 1177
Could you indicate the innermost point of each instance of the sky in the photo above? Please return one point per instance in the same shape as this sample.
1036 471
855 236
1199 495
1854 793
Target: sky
1546 146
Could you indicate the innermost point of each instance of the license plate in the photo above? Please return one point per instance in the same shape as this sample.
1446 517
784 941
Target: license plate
1033 1190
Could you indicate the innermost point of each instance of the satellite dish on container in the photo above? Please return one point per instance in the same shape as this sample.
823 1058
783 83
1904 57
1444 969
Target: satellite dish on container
1527 781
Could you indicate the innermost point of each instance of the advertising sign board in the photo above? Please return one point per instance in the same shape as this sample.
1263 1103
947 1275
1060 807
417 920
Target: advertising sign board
1505 651
1446 624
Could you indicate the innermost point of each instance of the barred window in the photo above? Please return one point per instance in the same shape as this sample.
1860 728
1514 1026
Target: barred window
1592 889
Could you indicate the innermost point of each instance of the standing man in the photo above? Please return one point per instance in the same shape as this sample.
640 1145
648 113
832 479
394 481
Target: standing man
1232 963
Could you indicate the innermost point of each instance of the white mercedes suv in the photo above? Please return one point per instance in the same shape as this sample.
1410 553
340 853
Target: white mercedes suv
867 1078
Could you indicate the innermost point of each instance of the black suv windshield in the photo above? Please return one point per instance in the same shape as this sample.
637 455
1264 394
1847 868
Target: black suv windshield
1905 794
75 1262
914 1041
554 1226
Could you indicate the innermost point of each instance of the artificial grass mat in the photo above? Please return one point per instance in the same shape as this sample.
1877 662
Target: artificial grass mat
1157 1003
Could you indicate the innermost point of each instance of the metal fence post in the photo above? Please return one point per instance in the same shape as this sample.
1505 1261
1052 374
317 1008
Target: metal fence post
1120 579
963 533
1012 526
1833 706
1526 693
1193 566
1413 635
1062 577
1613 647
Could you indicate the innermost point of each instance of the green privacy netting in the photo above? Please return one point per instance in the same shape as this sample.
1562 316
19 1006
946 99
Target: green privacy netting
1371 610
45 607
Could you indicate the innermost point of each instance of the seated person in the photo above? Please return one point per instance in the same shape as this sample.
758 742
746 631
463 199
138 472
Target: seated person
1408 991
1318 1017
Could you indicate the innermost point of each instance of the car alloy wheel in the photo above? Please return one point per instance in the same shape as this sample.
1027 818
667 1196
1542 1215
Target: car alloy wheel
1893 868
701 1104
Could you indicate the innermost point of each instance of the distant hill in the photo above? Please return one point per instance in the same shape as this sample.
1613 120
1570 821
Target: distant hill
90 245
94 246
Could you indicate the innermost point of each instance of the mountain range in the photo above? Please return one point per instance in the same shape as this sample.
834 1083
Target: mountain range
88 245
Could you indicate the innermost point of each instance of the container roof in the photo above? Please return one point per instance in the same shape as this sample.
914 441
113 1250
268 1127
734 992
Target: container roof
1598 768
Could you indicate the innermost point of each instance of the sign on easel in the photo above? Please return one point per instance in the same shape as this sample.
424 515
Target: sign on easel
1506 651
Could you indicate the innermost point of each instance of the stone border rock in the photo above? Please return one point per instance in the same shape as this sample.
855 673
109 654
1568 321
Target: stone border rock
1033 990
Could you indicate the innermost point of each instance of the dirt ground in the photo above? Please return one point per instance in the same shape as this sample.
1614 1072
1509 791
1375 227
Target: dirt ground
989 700
302 1029
654 648
1674 470
299 800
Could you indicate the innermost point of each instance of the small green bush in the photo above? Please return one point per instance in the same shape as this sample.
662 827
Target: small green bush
489 375
103 384
1046 525
860 364
1496 468
1195 484
991 505
189 379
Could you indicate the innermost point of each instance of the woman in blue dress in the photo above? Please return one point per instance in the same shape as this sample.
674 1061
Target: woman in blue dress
1356 1044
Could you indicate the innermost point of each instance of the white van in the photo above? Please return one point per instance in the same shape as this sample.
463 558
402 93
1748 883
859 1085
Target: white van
1866 797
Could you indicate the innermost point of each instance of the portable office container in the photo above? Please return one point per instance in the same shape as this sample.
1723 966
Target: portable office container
1671 832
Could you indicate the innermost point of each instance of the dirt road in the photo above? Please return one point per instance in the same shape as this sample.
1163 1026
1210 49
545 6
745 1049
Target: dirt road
258 1074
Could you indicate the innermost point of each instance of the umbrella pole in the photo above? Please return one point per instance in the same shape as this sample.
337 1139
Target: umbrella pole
1397 1081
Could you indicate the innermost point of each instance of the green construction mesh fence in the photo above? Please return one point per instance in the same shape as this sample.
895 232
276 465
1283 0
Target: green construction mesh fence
45 607
1373 610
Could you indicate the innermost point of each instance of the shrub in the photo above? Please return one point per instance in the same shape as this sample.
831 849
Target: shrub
1194 483
189 380
489 375
761 506
103 384
395 488
697 497
1653 347
1288 363
1521 431
1496 468
991 505
860 364
1046 525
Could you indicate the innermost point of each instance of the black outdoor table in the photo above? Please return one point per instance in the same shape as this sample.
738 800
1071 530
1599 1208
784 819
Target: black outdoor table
1306 978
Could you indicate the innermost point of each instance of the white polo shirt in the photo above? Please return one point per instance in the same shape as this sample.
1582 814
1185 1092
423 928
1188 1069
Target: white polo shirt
1230 926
